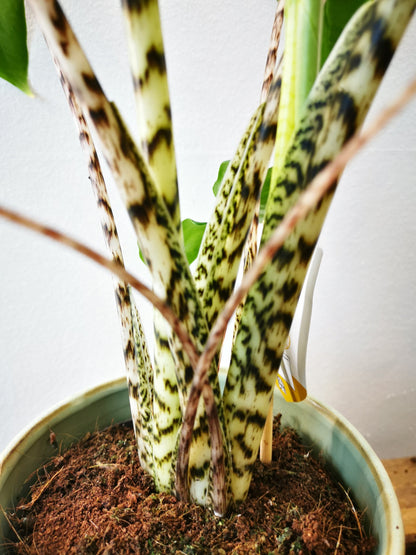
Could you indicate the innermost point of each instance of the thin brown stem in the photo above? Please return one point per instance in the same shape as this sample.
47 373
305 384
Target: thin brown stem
267 438
115 268
272 70
136 356
251 245
273 48
217 452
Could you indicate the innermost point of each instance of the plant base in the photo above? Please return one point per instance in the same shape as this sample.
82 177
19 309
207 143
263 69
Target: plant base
94 498
332 436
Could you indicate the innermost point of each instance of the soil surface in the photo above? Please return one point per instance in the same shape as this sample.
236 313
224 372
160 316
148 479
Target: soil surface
95 499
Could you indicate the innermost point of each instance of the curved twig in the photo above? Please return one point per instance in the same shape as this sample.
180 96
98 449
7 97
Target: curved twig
115 268
273 49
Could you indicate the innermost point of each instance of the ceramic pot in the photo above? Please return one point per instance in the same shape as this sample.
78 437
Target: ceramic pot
341 444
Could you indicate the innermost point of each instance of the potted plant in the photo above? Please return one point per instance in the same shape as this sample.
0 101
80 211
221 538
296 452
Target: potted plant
182 419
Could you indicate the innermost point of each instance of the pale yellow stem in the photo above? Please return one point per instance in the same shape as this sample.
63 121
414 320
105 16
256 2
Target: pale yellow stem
267 438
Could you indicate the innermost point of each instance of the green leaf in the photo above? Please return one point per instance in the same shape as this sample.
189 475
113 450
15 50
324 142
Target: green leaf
14 59
221 172
336 15
192 235
302 38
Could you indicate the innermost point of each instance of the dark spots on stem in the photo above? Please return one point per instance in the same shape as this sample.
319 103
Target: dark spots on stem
313 171
64 45
156 60
141 212
267 133
354 62
161 340
99 117
136 5
296 166
289 187
91 83
198 472
162 135
245 192
162 219
284 257
129 351
289 290
347 112
58 18
308 146
172 387
284 318
168 112
133 391
305 250
256 419
167 431
265 288
273 359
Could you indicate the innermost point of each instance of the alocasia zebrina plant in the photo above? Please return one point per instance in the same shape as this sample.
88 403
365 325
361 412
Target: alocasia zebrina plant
193 439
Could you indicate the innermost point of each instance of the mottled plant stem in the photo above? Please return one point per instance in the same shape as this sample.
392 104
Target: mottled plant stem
158 237
307 201
154 123
269 70
136 356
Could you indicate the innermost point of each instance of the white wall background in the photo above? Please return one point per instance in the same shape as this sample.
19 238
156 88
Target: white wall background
58 326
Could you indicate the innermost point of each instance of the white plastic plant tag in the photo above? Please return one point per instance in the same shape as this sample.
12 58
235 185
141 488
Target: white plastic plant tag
291 378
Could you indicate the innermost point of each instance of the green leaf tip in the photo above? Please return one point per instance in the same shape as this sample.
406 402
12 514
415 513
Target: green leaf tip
221 172
192 234
14 58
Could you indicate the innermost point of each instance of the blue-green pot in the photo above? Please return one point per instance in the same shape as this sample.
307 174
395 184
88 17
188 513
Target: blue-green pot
341 444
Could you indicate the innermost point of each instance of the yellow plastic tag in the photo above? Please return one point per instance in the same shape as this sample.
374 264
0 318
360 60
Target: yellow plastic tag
291 394
291 388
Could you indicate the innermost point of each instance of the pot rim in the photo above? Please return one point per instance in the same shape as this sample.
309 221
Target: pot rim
45 421
57 410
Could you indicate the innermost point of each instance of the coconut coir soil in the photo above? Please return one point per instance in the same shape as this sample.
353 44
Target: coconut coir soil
95 499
